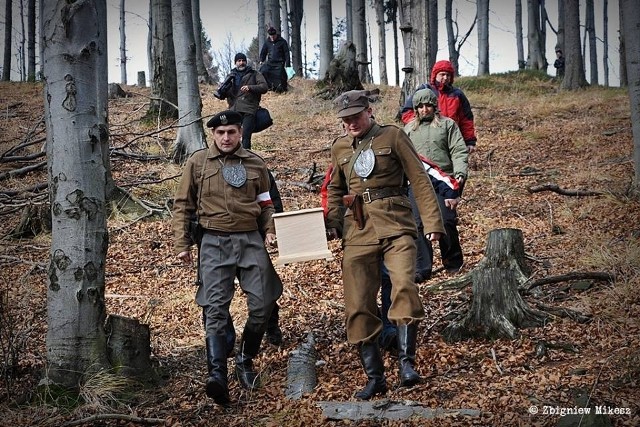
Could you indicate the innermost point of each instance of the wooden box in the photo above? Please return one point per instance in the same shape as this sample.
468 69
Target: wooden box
301 236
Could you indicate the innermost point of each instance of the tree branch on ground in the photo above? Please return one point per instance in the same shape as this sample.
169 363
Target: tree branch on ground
555 188
575 275
121 417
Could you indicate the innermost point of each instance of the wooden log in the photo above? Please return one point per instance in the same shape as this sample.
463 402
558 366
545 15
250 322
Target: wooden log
497 309
388 409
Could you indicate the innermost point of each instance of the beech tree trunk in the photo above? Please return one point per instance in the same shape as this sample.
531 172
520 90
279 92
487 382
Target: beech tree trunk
497 309
412 15
75 101
382 42
483 37
360 39
574 77
31 43
164 85
8 27
326 36
190 136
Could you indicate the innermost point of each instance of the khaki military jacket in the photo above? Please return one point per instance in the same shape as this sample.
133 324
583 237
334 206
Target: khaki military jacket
395 161
219 206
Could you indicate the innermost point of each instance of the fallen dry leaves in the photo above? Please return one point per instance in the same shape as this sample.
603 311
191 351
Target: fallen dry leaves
578 141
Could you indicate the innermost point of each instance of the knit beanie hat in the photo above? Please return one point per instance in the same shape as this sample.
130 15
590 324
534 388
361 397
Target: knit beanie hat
239 56
441 66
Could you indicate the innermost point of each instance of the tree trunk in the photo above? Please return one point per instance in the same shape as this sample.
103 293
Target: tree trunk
605 41
535 58
297 13
393 7
590 28
382 42
31 44
574 67
201 69
262 25
123 45
483 37
630 26
432 33
519 41
284 19
326 36
412 15
190 136
360 38
75 57
342 74
8 27
164 85
560 41
624 81
497 309
349 20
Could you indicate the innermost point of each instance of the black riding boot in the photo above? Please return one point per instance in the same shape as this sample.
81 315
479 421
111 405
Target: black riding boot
374 367
274 334
249 347
217 385
407 335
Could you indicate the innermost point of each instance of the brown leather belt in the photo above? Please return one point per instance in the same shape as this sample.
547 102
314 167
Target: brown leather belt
371 194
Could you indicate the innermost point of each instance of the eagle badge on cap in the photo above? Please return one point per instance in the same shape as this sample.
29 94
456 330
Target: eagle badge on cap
223 119
345 101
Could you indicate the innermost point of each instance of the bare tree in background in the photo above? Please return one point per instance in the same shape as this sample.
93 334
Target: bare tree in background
349 19
382 41
76 109
624 81
8 27
360 38
432 31
164 85
536 59
31 43
590 28
297 13
190 136
605 39
203 74
629 25
272 14
454 41
284 19
573 69
412 15
123 45
262 24
223 57
326 36
483 37
519 40
560 34
392 16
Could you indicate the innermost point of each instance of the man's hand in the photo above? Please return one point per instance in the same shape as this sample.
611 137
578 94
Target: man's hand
434 237
452 203
471 148
332 233
186 257
270 240
244 89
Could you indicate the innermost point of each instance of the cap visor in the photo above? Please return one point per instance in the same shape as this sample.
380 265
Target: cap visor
350 111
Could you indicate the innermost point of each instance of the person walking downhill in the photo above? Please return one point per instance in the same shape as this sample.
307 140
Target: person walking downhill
244 94
371 164
274 57
227 189
439 139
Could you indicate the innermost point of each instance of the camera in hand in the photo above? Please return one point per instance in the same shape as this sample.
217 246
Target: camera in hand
223 90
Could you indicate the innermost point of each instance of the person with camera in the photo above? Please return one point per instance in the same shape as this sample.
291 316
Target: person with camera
243 89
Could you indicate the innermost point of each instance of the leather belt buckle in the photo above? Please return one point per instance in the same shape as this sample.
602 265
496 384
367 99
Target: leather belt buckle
366 196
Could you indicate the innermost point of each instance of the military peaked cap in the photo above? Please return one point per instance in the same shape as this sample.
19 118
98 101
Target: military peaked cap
352 102
224 118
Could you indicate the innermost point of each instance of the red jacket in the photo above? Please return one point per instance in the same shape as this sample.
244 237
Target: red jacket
452 103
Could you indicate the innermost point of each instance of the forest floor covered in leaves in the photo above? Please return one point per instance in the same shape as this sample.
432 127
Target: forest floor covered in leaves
529 134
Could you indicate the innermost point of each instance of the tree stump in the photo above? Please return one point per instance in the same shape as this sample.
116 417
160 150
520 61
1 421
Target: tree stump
129 347
497 309
342 74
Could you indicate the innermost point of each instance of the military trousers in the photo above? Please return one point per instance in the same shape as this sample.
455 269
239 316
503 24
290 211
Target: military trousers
361 281
221 258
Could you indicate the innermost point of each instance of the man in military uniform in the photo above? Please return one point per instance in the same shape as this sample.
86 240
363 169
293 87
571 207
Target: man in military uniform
227 188
371 164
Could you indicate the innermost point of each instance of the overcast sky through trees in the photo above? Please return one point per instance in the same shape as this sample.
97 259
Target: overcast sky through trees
239 19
